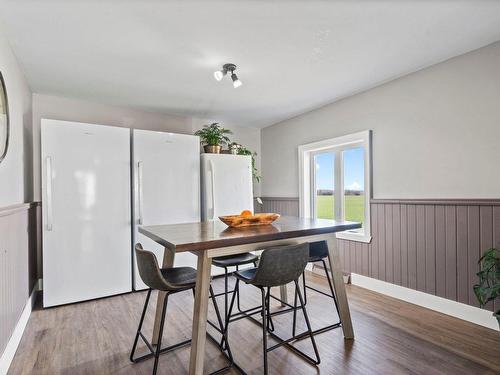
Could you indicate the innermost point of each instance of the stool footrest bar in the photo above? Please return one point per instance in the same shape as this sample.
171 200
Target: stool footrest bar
287 344
162 351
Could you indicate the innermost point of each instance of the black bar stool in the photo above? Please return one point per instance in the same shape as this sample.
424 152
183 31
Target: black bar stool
318 252
277 266
169 280
226 262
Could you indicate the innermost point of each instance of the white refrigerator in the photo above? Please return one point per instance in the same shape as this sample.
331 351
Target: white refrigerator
86 211
226 188
166 180
226 185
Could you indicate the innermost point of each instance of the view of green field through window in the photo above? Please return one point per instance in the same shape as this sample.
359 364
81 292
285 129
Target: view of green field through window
354 198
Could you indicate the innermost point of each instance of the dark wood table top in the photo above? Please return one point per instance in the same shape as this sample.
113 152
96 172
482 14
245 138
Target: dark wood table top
215 234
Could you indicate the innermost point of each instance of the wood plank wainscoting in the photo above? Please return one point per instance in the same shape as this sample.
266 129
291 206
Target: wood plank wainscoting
427 245
19 245
282 206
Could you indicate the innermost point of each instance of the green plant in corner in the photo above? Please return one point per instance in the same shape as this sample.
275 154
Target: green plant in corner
213 136
488 288
245 151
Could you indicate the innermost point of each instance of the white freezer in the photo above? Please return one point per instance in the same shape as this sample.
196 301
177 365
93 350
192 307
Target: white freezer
226 185
226 188
86 211
166 175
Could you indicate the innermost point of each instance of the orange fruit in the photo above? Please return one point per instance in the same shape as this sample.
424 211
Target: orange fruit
246 213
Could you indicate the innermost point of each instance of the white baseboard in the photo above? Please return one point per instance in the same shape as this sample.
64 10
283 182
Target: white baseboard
15 339
456 309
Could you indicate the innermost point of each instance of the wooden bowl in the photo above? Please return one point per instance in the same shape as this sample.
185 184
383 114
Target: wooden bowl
236 221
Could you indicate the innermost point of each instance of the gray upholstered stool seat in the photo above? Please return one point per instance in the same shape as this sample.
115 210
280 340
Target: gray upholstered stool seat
317 251
169 281
234 260
277 266
246 275
182 277
315 259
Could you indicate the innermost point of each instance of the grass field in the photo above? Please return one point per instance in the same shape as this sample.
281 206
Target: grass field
354 207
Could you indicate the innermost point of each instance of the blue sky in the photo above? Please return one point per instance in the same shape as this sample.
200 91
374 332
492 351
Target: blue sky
353 170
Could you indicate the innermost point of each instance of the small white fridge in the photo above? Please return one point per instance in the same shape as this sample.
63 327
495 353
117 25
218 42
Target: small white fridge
226 185
226 188
86 211
166 186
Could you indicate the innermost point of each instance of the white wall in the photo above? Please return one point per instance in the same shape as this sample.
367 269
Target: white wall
15 169
436 132
60 108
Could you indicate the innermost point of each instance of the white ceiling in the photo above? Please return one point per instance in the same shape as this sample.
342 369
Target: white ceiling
293 56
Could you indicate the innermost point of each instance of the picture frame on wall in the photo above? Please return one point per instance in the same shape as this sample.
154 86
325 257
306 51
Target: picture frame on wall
4 119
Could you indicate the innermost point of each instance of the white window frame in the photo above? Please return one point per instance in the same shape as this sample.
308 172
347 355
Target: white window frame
306 180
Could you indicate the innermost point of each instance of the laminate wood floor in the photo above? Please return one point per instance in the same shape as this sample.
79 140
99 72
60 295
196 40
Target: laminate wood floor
392 337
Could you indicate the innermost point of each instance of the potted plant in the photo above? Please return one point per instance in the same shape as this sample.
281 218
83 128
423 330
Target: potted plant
213 136
245 151
234 147
488 288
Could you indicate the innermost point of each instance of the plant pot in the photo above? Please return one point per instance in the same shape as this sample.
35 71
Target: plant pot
497 315
234 148
210 149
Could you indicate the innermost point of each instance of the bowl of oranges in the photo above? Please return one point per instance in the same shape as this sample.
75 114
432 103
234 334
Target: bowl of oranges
246 218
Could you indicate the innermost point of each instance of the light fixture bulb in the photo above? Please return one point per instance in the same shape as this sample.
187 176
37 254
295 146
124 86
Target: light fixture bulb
236 82
218 75
228 69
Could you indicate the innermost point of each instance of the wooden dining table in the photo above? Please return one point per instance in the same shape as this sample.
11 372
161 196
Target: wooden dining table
213 239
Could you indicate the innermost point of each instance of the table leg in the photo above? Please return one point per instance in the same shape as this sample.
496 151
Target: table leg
339 287
200 314
168 261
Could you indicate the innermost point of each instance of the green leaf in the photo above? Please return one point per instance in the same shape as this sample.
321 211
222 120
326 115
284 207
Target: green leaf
255 172
488 287
213 135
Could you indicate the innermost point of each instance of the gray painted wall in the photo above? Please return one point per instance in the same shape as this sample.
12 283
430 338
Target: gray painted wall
435 132
16 168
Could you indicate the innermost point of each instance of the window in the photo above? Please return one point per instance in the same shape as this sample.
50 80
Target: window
335 181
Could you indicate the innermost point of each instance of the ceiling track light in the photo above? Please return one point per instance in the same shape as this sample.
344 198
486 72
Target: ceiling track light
228 68
236 82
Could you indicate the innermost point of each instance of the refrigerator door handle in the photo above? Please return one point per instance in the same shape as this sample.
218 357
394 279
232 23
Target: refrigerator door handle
139 191
48 171
212 182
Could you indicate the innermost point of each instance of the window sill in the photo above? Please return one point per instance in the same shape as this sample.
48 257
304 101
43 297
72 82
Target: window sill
354 236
